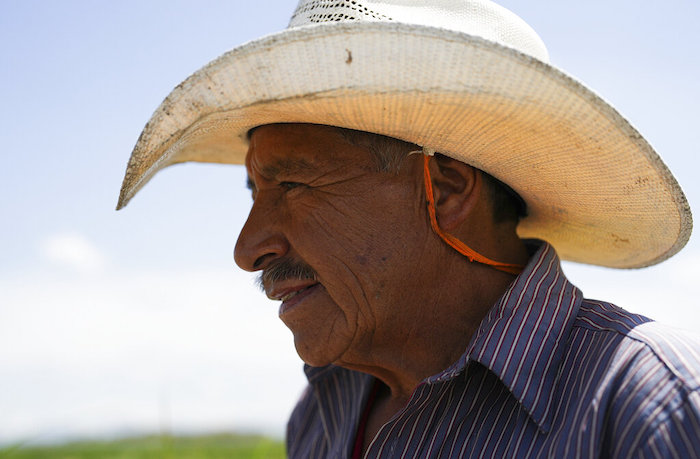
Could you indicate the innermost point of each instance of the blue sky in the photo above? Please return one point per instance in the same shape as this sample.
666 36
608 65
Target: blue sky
139 320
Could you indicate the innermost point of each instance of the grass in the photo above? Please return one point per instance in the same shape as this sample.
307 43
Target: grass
156 446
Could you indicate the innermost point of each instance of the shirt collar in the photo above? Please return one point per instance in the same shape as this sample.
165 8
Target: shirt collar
313 374
523 337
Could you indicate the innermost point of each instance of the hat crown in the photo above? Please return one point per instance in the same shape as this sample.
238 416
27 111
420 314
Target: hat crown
482 18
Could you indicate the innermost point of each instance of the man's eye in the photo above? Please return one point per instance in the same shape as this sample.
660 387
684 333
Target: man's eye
290 185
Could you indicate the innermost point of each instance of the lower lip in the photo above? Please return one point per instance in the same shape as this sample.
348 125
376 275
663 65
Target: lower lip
293 302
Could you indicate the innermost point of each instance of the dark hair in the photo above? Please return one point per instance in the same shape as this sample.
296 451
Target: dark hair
507 204
388 152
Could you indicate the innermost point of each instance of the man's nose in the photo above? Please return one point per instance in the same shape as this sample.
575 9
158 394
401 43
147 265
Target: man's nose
260 241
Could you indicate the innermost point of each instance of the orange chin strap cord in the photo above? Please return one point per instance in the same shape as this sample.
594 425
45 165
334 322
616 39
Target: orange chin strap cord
452 241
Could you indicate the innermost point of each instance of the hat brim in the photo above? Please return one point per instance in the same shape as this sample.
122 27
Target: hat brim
595 189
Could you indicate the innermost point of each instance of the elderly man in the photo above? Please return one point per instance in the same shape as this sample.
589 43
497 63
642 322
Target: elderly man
407 161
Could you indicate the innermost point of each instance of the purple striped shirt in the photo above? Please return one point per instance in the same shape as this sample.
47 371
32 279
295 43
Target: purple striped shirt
547 374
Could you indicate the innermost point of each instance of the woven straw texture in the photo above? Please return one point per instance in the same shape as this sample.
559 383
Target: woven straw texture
594 187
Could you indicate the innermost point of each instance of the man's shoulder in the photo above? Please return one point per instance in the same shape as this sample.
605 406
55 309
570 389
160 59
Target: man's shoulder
645 379
642 340
678 350
606 317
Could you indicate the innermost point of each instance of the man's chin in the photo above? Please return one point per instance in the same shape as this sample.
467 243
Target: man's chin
315 355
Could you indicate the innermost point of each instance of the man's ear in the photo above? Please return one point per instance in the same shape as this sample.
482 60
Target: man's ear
456 190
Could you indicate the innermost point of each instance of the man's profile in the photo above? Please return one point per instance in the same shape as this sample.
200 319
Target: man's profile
418 169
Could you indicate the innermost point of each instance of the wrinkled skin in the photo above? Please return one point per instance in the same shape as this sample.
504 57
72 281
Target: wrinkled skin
320 201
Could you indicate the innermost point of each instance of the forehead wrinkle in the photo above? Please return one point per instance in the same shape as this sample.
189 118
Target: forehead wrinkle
336 178
286 164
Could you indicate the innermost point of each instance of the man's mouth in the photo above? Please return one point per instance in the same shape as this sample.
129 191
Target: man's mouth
289 282
288 288
292 292
291 295
285 290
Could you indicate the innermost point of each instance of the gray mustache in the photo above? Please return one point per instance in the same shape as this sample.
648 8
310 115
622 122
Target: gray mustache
283 270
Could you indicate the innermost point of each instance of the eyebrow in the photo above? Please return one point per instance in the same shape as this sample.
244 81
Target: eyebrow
289 165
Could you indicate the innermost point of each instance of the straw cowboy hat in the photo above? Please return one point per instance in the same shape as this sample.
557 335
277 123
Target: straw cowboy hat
466 78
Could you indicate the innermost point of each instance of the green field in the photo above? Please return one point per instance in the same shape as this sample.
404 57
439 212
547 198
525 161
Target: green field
157 446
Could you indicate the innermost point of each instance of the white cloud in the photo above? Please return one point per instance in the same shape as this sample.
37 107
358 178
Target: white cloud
73 251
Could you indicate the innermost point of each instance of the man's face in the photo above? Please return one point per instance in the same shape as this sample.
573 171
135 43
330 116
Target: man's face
355 236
